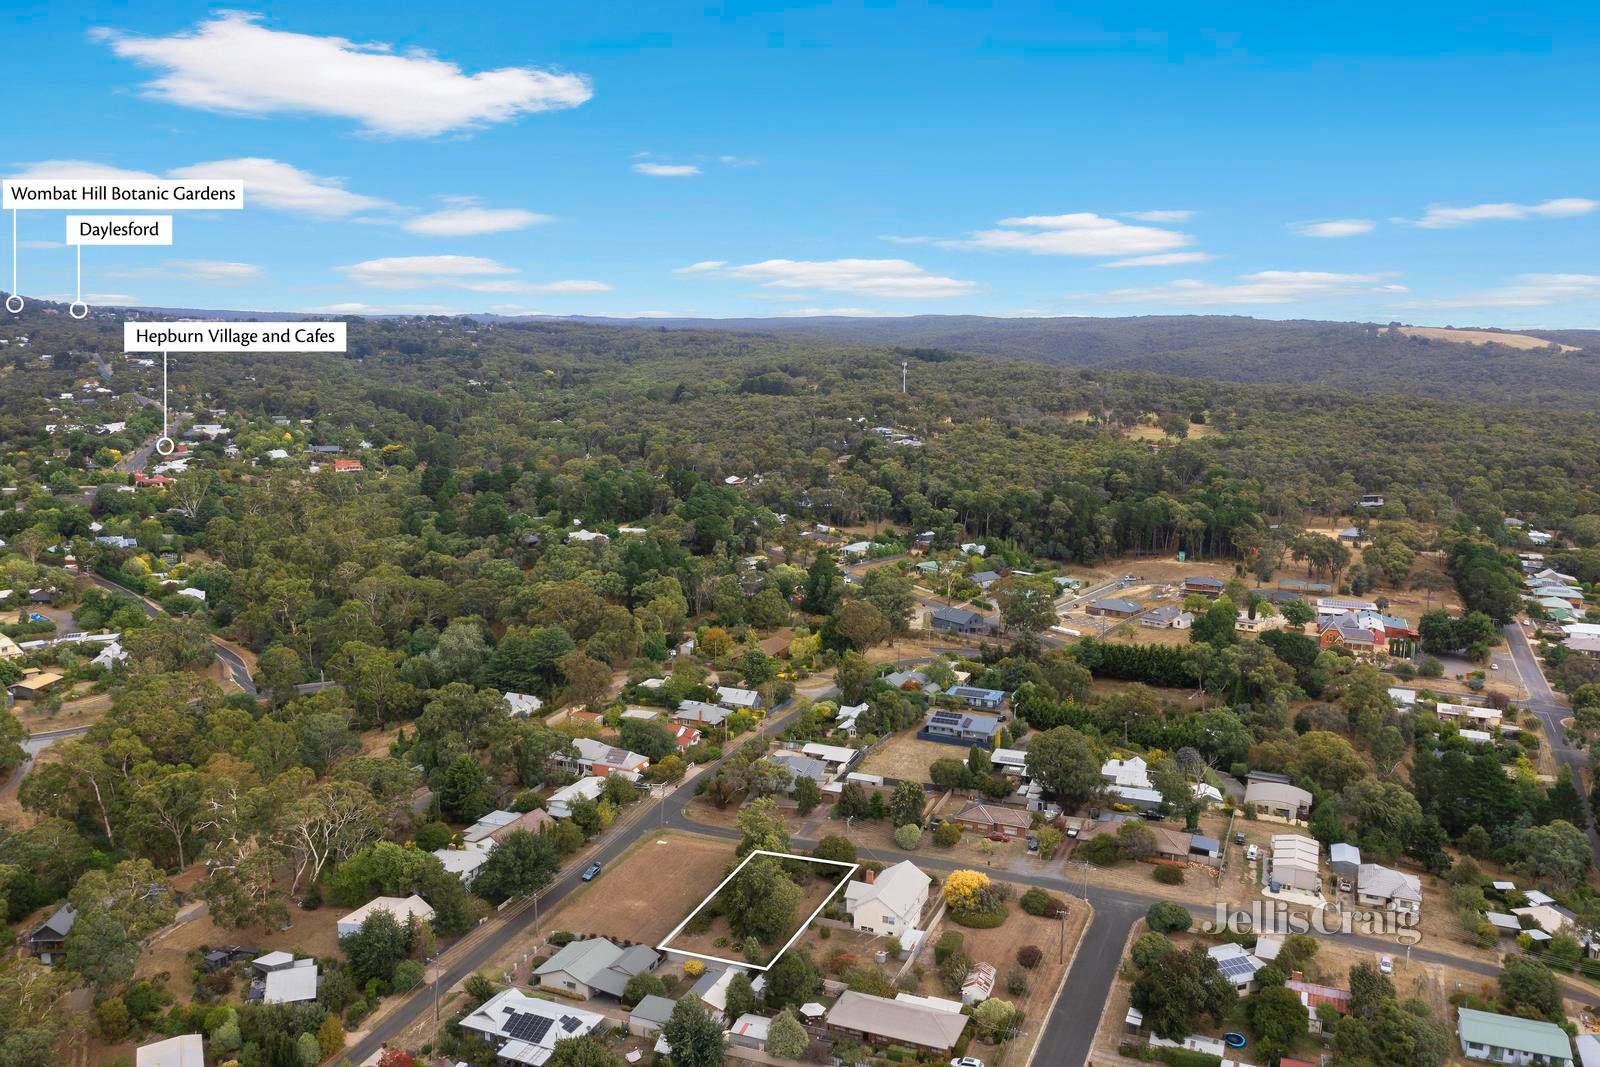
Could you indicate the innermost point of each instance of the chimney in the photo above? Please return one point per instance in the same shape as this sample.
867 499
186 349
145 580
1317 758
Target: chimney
871 877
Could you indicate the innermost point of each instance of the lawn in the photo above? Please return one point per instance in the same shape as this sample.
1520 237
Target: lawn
643 895
907 758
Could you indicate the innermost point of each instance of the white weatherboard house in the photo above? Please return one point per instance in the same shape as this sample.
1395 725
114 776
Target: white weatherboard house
1389 889
525 1028
562 799
1495 1038
402 908
186 1050
889 903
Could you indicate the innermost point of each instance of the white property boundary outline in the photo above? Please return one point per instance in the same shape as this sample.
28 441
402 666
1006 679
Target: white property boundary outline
801 929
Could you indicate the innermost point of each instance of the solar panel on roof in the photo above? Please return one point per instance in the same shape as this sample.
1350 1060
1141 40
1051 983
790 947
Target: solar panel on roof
530 1028
946 717
1236 967
569 1024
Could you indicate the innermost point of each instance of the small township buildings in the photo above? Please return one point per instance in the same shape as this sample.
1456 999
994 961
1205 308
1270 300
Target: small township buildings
499 825
522 705
186 1050
1493 1038
1273 796
699 714
595 966
1114 608
1203 585
292 984
1295 862
561 801
990 819
881 1021
960 728
650 1015
49 939
600 759
738 699
973 697
890 902
1238 965
1469 716
525 1029
1167 618
1391 890
401 908
957 621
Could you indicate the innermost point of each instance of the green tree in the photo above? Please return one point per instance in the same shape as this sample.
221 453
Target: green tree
905 804
100 948
1278 1019
694 1035
823 585
375 948
1026 603
1527 983
1168 917
1067 763
786 1038
519 866
891 593
464 791
585 1051
761 901
807 795
761 826
1176 987
1217 626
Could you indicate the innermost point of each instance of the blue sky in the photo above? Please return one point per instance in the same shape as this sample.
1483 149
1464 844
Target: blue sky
1418 162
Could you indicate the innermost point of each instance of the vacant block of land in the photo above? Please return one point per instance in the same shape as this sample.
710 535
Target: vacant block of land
643 895
1482 337
706 933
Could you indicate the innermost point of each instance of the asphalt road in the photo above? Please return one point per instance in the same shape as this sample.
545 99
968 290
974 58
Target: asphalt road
238 670
1544 703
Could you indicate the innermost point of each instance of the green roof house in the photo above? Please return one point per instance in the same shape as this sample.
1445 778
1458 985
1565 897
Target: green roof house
1495 1038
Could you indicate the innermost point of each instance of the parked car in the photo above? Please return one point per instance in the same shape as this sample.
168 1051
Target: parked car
591 872
998 836
1238 837
1033 844
966 1061
1344 885
1385 964
1252 852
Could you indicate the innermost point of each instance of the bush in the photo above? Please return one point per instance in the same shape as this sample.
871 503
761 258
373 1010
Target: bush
694 968
1102 851
949 942
948 835
1016 983
1029 956
408 974
562 938
985 919
908 836
432 836
1167 917
1038 902
1168 875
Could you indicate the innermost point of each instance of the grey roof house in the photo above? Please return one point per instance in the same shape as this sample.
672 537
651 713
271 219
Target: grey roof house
595 966
956 620
49 939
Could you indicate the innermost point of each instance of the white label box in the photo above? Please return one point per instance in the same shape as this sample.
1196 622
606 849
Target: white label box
106 194
233 337
119 229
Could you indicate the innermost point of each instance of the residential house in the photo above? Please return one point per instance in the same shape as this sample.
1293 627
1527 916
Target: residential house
1132 772
1493 1038
838 758
1012 761
525 1029
561 801
956 621
960 727
1341 605
801 766
1114 608
499 825
1295 862
712 989
890 902
738 699
596 965
1469 716
846 717
522 705
1273 796
49 939
1203 585
1391 890
990 819
685 737
880 1021
984 579
600 759
34 684
1314 996
264 965
1260 623
1167 618
1342 631
464 862
185 1050
401 909
1238 965
8 647
699 714
973 697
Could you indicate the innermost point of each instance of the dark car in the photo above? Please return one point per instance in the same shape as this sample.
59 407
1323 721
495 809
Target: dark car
1238 838
591 872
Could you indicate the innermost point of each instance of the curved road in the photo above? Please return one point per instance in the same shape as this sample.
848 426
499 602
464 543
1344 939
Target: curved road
1544 703
238 670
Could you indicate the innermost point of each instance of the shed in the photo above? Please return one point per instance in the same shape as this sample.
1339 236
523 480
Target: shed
1344 859
650 1015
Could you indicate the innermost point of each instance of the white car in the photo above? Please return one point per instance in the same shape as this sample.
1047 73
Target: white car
1385 964
966 1061
1252 852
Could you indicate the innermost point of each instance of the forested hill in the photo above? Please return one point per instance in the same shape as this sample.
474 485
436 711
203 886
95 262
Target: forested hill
1359 356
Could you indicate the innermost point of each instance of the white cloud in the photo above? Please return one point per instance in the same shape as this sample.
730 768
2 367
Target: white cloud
1159 216
1525 290
912 239
667 170
1262 287
267 183
1440 218
1080 233
1164 259
474 273
737 161
891 278
465 218
203 271
1333 228
39 244
233 64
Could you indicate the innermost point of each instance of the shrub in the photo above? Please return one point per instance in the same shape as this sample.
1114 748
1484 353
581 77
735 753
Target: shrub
1016 983
949 942
984 919
1168 875
1167 917
433 835
1029 956
1038 902
562 938
694 968
1147 947
408 974
908 836
948 835
1102 851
